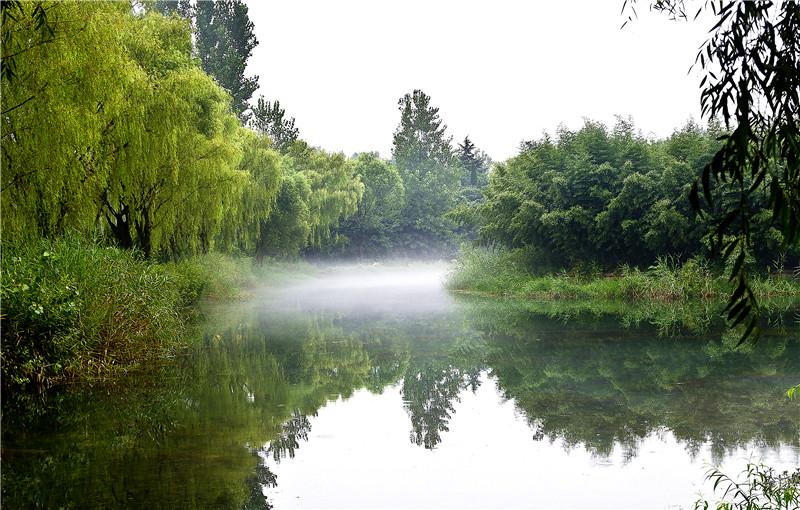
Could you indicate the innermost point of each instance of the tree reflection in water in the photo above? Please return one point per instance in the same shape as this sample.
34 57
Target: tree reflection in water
210 431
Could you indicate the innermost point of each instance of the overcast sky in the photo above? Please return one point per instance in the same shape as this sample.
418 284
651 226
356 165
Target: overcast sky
499 71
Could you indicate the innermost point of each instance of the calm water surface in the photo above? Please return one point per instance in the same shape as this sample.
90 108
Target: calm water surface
372 387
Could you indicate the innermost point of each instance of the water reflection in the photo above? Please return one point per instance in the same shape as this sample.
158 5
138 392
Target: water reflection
209 432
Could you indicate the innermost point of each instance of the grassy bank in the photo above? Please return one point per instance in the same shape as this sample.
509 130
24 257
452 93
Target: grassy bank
668 295
73 310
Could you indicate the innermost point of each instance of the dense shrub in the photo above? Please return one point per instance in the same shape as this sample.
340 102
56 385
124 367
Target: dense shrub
71 309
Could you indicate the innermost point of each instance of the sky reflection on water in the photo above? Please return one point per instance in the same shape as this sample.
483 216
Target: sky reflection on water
372 387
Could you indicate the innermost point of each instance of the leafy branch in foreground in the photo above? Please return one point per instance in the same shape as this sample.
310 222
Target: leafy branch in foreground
751 64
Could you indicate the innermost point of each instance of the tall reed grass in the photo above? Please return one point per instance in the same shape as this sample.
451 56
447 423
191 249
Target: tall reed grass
503 272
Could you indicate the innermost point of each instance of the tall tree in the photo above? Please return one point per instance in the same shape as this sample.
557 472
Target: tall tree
424 156
270 119
420 142
182 8
224 42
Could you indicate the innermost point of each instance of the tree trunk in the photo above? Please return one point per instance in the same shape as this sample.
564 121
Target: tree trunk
120 228
144 231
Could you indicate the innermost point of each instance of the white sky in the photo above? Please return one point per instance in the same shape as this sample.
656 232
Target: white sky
500 71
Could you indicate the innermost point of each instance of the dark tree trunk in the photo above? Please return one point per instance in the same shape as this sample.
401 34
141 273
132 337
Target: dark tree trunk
120 228
144 231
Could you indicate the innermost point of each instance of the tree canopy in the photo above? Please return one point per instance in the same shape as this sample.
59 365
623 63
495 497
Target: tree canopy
600 197
424 157
113 129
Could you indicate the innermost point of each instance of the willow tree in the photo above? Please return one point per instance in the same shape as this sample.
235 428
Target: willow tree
246 217
177 157
62 95
317 191
336 189
285 232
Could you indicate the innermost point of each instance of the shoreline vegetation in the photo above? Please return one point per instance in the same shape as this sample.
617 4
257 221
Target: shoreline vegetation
80 311
675 297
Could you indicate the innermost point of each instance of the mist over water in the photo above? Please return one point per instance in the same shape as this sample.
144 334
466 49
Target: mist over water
398 288
371 386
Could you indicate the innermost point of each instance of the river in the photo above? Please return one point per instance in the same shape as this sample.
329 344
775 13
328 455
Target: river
371 386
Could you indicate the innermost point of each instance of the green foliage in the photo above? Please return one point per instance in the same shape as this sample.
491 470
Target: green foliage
318 190
594 197
73 309
245 215
269 118
371 230
52 124
147 152
475 165
33 17
286 230
761 487
225 40
122 134
179 150
431 176
335 188
674 297
755 94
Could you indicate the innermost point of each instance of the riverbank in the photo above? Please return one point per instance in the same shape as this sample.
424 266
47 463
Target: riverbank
667 295
73 310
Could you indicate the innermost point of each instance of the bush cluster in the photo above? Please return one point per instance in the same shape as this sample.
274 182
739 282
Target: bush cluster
72 309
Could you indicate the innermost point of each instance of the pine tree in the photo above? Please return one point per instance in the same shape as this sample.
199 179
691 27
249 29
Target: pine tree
420 142
270 119
430 173
473 161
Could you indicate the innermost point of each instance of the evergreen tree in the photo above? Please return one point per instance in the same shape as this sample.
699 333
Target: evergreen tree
270 119
430 172
473 162
182 8
420 143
